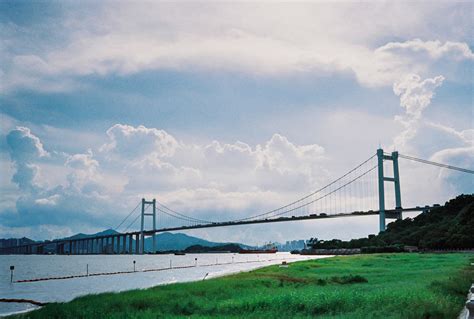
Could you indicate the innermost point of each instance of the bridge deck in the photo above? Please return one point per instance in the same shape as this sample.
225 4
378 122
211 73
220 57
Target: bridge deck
389 214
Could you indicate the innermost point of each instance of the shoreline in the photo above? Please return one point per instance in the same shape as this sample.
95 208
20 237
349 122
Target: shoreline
213 270
322 287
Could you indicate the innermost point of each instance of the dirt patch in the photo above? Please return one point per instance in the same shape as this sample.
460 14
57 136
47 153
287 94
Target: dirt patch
286 278
343 280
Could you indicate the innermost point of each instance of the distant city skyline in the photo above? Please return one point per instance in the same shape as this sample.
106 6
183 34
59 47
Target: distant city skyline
224 109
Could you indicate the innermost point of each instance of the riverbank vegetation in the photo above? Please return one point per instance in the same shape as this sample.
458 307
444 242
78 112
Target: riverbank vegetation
362 286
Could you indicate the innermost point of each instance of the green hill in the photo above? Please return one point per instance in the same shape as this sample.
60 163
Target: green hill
450 226
447 227
178 241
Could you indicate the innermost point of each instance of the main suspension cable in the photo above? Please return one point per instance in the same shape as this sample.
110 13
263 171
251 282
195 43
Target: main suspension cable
309 195
131 212
456 168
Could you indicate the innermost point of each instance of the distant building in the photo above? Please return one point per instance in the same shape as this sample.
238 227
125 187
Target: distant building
291 245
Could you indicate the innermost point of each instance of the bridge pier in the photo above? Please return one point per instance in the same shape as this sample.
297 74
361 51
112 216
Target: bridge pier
124 247
381 186
106 245
137 243
142 229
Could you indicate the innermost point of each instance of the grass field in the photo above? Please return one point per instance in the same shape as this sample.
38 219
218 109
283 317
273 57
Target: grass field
364 286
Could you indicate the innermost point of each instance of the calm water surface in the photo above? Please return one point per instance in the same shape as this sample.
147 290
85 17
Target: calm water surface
39 266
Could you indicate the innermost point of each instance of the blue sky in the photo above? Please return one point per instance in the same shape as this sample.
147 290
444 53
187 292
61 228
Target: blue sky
217 109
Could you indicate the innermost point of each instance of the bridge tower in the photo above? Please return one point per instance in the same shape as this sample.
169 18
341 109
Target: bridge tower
381 183
142 229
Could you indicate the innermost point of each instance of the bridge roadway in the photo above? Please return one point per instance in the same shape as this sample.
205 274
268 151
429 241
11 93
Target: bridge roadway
111 244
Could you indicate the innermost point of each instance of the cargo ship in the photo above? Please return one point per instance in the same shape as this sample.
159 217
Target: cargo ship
267 249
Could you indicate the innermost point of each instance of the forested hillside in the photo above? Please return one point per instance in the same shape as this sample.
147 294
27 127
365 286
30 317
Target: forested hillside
449 226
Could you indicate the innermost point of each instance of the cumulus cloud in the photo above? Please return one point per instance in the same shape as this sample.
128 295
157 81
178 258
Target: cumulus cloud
85 195
213 180
83 161
24 145
435 141
415 95
24 149
135 142
461 156
276 163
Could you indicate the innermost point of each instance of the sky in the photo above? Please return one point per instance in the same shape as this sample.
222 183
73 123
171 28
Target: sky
223 110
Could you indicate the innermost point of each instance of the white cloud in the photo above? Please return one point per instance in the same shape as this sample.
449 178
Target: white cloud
431 49
87 193
415 95
461 156
24 145
434 141
464 136
83 161
24 149
124 39
211 179
136 142
50 201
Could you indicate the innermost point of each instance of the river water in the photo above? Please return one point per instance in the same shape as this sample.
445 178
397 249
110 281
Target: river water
165 271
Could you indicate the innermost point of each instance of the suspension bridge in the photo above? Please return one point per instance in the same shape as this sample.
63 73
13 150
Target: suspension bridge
360 191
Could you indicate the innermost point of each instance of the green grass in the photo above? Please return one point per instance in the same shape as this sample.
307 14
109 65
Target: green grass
365 286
